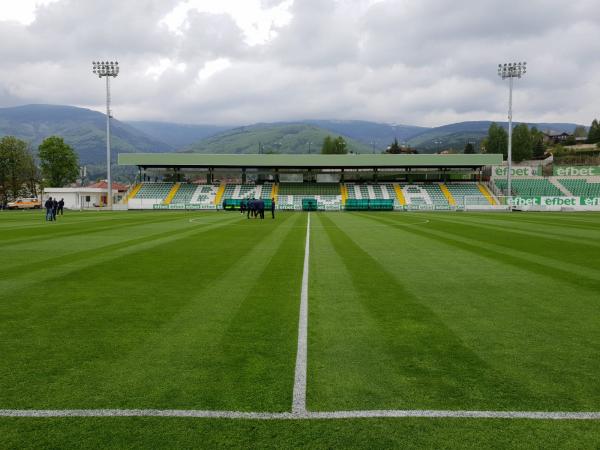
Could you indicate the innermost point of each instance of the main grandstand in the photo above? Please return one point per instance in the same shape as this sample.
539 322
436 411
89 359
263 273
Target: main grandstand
350 182
324 182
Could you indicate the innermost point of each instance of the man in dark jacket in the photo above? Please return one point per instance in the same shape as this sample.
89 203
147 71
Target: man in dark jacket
273 208
61 205
54 209
48 204
250 207
261 208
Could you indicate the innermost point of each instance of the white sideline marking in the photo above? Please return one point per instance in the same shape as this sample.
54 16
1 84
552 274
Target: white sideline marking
299 396
305 415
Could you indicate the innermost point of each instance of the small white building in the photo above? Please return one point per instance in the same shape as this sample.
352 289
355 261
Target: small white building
92 196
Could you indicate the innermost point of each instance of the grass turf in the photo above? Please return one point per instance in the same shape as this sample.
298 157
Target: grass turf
406 311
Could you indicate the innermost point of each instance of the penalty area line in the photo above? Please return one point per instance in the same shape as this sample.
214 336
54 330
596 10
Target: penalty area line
305 415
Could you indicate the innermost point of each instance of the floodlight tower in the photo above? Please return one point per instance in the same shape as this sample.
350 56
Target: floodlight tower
511 71
107 69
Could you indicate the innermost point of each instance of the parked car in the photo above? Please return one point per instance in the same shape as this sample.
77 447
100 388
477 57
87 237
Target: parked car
25 203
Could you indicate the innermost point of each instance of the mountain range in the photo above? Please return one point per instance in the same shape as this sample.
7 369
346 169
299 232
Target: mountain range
82 129
85 131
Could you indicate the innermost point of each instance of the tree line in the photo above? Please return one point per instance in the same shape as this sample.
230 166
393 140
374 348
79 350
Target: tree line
25 174
528 143
339 146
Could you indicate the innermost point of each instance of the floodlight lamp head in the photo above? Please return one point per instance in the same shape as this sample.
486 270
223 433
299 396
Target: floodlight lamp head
105 68
512 70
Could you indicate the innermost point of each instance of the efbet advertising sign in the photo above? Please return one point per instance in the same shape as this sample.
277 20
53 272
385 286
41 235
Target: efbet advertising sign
580 171
517 171
554 201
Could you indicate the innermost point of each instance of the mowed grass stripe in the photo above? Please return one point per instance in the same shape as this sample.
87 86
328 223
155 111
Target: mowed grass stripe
39 256
576 221
386 350
528 256
588 238
72 261
229 324
37 219
62 345
520 233
539 330
410 433
51 231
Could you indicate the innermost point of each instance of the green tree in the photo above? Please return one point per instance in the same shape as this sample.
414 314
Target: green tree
59 162
570 140
31 173
334 146
539 148
537 143
594 132
340 146
497 140
327 148
522 148
469 149
14 161
580 132
394 148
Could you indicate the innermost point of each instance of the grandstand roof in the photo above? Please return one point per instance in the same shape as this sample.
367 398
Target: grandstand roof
306 161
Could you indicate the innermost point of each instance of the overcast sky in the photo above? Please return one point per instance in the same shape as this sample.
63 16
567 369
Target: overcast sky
421 62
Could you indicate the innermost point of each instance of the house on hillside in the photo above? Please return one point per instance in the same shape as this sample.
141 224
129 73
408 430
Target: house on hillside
552 137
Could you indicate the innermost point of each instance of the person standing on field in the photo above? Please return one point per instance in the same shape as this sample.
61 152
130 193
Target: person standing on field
250 207
49 205
261 208
61 205
54 209
273 208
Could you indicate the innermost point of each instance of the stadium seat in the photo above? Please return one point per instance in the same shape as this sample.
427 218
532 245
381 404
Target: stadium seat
461 190
155 191
531 187
581 187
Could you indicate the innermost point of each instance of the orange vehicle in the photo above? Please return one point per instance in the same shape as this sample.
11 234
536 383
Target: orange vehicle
25 203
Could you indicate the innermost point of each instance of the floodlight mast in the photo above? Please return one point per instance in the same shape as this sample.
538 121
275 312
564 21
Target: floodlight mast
510 71
107 69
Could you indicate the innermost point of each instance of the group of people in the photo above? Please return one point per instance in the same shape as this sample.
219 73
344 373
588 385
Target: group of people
54 207
256 208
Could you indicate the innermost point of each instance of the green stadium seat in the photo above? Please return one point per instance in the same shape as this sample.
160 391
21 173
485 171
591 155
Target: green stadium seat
581 187
461 190
156 191
530 187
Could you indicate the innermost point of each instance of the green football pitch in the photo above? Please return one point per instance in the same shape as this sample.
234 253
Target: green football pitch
185 311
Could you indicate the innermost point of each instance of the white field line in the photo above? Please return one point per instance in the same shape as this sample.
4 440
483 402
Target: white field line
306 415
299 396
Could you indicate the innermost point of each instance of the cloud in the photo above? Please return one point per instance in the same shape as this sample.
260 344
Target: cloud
428 62
211 36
